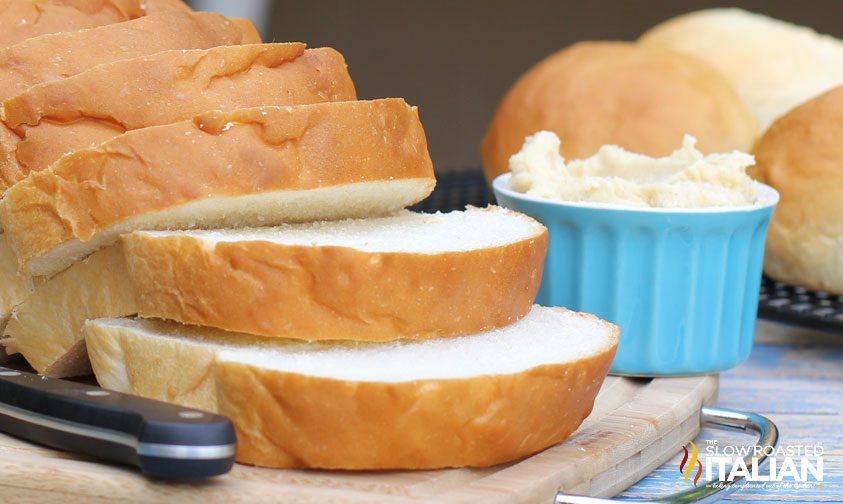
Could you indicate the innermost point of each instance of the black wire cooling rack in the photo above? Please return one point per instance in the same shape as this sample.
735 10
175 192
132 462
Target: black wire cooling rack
800 306
456 190
778 301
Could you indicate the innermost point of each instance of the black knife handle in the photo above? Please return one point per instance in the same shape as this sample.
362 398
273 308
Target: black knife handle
163 440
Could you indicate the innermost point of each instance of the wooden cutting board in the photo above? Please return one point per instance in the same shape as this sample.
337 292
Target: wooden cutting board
635 427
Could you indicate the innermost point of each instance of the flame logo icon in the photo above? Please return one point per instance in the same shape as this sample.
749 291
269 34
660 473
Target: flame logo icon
686 467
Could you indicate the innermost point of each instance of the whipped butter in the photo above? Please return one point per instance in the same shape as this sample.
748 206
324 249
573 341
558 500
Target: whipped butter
685 179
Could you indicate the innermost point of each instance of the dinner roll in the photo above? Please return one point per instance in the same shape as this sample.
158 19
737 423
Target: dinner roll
773 65
801 155
642 99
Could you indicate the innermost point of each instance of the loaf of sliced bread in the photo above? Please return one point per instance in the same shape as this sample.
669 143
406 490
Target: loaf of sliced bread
46 326
60 55
23 19
410 275
472 400
55 118
252 167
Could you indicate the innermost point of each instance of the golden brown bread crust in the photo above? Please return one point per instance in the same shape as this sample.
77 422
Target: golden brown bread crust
23 19
319 293
801 156
596 93
60 55
280 418
47 326
242 152
94 106
476 422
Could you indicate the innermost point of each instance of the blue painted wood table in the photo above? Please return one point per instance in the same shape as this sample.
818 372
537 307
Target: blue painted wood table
794 376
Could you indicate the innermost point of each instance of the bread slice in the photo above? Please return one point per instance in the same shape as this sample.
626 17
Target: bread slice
23 19
82 111
473 400
57 56
46 327
410 275
252 167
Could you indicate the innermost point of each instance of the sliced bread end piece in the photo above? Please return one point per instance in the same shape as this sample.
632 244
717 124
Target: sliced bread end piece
14 287
475 400
46 327
409 275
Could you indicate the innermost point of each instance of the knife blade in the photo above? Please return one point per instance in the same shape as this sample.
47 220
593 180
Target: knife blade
163 440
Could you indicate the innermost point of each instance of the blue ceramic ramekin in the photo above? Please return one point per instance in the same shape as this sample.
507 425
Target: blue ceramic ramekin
682 284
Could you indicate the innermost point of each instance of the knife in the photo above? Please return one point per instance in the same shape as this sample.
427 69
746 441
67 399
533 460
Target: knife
163 440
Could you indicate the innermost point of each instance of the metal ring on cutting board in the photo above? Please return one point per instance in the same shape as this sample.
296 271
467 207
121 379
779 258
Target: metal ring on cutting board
768 440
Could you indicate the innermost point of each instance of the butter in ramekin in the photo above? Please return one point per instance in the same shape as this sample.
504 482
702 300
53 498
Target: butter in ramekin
686 178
